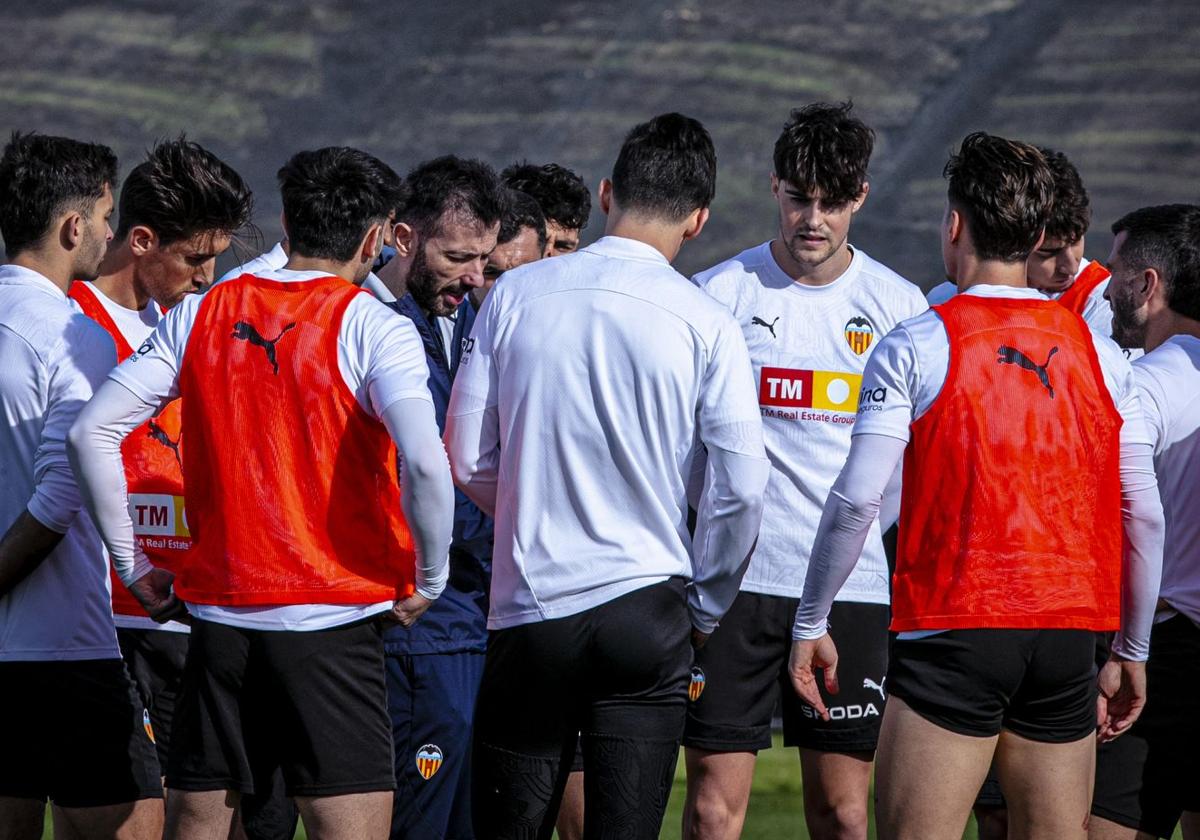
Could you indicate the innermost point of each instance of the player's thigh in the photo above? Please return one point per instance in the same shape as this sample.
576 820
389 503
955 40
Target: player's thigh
856 711
836 781
719 782
140 820
1047 785
355 816
926 776
734 682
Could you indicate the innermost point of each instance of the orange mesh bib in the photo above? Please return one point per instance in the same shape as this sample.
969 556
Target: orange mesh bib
152 455
1011 512
292 490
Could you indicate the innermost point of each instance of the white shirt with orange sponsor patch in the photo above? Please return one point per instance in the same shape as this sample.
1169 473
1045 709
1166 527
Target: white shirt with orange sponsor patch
808 346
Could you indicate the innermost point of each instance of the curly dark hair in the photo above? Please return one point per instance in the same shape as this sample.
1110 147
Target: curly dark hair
667 168
523 212
41 177
562 195
450 185
824 148
183 189
332 197
1166 238
1004 190
1072 214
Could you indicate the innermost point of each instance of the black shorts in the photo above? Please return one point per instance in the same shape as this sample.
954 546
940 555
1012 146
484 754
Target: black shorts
312 704
74 733
155 660
1039 684
1146 778
742 673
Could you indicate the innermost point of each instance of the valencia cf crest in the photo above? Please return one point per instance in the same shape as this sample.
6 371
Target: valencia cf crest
429 760
696 686
146 725
859 334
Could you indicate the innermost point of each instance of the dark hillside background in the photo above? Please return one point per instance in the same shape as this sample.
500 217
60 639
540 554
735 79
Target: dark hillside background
1115 85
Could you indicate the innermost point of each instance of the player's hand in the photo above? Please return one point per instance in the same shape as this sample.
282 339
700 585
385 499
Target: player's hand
406 612
808 655
153 591
1122 696
699 638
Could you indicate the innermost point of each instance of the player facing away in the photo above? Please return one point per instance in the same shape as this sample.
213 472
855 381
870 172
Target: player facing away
601 371
563 197
294 385
812 308
1146 779
445 230
59 660
1025 464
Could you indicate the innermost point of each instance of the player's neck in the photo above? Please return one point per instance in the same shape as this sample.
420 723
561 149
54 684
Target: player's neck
666 239
972 271
332 268
116 280
1170 324
55 268
821 274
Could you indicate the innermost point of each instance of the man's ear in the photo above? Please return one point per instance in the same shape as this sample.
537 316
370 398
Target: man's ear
696 223
372 243
605 194
141 240
861 198
71 230
1041 238
954 225
404 239
1151 285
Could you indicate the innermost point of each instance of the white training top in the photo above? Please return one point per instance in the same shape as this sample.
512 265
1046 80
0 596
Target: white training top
135 327
604 368
1168 380
941 293
381 359
277 258
808 345
54 358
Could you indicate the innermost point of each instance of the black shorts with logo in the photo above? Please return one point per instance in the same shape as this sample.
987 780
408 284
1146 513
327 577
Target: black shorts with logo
1146 778
311 703
741 674
155 660
76 733
1039 684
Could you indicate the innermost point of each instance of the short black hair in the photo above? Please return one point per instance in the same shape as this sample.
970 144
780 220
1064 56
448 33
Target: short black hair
667 168
1004 191
181 190
42 177
451 185
332 197
1167 239
1071 214
562 195
523 212
822 147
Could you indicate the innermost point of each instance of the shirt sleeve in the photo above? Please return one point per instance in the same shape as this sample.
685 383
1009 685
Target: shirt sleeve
75 370
727 415
393 360
886 403
1152 401
472 418
152 372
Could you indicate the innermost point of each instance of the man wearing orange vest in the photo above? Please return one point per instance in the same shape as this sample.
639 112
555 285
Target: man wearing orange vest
1030 520
295 383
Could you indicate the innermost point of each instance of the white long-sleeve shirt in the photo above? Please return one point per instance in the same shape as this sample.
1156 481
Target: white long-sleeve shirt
53 358
909 369
382 362
596 374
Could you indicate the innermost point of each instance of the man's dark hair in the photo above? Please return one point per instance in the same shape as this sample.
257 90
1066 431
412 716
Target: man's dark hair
1004 191
667 168
331 197
1167 239
823 148
1071 214
447 187
562 195
523 212
181 190
42 177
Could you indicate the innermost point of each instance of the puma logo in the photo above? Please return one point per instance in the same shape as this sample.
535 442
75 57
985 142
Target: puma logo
876 686
759 322
159 434
245 331
1013 356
